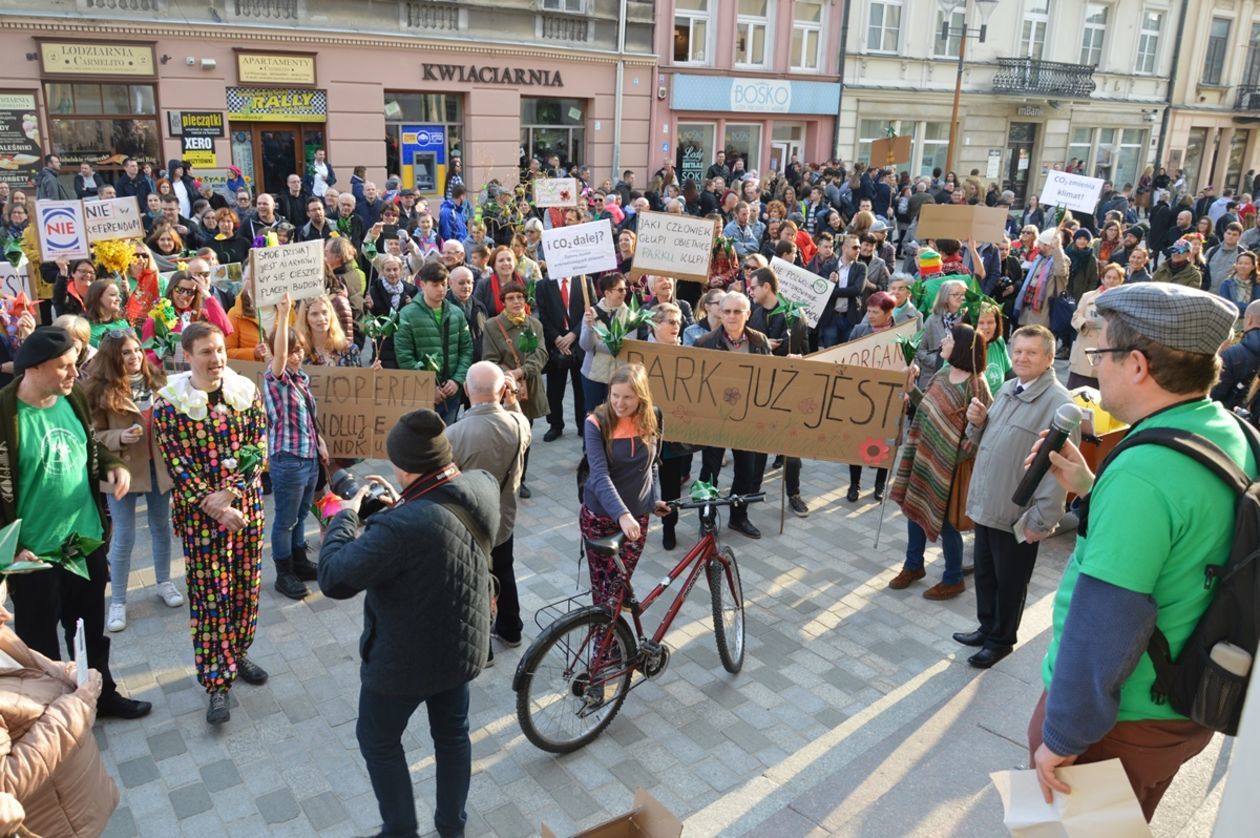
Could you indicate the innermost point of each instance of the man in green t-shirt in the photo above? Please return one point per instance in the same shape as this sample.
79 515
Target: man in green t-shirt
50 464
1155 520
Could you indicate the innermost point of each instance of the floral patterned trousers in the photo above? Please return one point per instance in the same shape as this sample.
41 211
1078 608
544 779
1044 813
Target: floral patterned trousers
603 569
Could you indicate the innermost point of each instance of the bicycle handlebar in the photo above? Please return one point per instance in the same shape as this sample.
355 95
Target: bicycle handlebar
729 500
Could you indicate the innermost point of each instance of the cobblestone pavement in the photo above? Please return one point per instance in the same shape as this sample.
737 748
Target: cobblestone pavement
855 712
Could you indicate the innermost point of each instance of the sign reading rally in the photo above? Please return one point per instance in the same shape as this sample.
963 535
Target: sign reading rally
61 230
1076 192
580 249
296 268
358 406
113 218
877 351
801 286
791 406
673 245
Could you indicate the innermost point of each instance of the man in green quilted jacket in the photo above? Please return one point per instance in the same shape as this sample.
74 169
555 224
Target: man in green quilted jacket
433 335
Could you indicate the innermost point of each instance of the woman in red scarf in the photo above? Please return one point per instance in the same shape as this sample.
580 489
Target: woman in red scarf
502 271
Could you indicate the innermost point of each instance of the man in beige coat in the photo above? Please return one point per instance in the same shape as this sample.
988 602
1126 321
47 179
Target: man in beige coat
493 435
49 760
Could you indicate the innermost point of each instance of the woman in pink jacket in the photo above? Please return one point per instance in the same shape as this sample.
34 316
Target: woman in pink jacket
49 760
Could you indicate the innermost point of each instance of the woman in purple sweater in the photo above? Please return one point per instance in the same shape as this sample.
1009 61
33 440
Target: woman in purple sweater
623 443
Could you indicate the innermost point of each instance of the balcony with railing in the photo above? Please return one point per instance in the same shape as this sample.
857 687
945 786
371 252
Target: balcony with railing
1248 98
1052 79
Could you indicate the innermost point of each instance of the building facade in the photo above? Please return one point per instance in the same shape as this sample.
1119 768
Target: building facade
1054 81
1214 125
398 87
757 79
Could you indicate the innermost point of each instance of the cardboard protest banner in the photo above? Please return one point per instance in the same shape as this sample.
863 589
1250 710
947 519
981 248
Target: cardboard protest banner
961 222
877 351
890 151
673 245
792 406
555 192
14 281
801 286
1076 192
114 218
62 231
358 406
580 249
296 268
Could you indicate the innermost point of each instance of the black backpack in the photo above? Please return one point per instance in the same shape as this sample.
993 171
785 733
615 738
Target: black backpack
1195 685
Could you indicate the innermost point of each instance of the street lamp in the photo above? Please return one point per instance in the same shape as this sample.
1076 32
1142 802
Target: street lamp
963 32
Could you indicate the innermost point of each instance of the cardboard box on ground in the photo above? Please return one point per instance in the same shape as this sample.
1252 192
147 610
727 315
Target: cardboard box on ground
648 819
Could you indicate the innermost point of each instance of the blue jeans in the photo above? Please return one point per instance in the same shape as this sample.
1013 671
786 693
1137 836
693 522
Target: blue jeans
382 720
123 539
449 409
951 546
293 482
835 332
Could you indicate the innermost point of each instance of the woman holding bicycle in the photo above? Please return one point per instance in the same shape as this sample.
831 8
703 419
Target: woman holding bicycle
623 442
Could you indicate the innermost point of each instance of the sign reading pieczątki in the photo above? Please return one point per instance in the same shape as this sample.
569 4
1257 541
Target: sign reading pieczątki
1076 192
115 218
791 406
673 245
295 268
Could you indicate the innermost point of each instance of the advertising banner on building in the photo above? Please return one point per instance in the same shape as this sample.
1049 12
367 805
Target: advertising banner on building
20 148
276 104
422 156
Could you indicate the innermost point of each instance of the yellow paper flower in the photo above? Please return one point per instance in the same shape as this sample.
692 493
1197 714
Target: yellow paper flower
334 235
181 266
115 255
220 237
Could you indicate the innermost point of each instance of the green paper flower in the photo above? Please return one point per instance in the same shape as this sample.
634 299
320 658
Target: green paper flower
702 491
528 341
381 326
909 347
73 554
791 311
429 363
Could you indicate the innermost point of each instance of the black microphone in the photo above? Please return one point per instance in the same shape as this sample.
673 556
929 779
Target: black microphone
1066 419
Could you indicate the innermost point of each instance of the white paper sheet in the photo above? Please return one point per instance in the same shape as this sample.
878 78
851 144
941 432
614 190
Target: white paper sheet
1102 804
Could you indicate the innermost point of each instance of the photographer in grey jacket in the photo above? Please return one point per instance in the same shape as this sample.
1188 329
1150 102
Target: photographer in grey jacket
426 619
1007 536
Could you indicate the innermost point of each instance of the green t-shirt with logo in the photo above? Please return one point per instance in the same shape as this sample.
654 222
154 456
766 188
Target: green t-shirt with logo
55 491
1156 519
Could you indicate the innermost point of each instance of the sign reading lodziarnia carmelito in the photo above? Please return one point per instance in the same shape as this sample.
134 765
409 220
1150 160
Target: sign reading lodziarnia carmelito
86 58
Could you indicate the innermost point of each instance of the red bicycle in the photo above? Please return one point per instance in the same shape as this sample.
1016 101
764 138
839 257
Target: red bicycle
572 680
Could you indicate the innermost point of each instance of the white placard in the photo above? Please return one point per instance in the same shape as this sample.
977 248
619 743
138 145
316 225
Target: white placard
580 249
876 351
1076 192
116 218
673 245
62 231
801 286
296 268
555 192
14 281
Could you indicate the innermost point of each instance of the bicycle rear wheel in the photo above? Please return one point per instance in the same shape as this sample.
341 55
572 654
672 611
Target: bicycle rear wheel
567 691
728 610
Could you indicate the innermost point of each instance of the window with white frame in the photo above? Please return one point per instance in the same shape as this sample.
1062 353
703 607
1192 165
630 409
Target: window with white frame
691 31
1082 142
883 31
572 6
870 130
935 146
807 29
949 47
1217 46
1092 34
1148 41
1033 34
752 33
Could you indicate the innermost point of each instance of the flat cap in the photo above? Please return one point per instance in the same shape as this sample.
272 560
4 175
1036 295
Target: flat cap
1172 315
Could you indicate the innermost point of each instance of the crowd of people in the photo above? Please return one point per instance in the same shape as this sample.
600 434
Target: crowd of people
134 381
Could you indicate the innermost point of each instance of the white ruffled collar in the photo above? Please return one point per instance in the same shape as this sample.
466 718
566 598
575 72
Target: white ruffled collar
238 391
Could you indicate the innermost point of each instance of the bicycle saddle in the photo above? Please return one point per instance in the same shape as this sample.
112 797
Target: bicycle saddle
607 546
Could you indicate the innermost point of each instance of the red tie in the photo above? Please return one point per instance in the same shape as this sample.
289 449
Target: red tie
564 299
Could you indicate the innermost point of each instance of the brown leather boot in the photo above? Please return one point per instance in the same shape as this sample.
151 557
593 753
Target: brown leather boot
941 591
905 577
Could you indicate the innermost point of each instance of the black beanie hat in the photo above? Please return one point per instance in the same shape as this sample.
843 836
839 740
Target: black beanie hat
44 344
1137 232
417 444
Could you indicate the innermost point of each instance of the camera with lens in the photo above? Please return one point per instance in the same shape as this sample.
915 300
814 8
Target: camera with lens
346 485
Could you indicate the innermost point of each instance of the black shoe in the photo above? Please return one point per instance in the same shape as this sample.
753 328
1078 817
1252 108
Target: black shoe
250 672
506 641
988 656
266 483
115 706
879 494
525 492
799 508
489 659
303 568
853 494
553 434
778 462
970 638
668 540
218 713
287 583
746 527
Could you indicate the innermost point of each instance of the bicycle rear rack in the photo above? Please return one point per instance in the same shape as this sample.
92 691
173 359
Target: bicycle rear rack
553 611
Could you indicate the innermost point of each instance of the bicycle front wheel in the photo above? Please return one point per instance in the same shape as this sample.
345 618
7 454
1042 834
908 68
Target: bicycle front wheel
573 679
728 610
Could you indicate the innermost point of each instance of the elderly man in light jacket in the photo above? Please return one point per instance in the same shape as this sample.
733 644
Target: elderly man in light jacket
1007 536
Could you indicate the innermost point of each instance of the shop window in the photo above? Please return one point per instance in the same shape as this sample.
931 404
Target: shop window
1196 146
1105 152
1081 145
935 147
807 29
102 124
695 150
554 126
743 141
1128 156
1237 148
691 31
1217 46
1148 41
752 33
572 6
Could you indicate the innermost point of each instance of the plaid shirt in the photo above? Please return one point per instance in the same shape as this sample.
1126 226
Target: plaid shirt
290 414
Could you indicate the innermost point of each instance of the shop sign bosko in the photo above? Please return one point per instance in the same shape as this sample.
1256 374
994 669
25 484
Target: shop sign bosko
761 95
